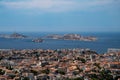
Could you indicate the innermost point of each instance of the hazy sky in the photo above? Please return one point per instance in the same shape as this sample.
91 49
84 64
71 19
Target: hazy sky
60 15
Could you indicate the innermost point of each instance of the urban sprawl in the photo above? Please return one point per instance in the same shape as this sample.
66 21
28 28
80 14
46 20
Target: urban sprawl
59 64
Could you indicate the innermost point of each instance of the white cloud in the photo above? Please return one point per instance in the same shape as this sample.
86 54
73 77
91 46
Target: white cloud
55 5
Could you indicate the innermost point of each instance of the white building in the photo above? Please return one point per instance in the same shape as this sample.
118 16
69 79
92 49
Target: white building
113 50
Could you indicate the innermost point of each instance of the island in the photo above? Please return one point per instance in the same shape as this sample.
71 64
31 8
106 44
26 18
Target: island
17 35
38 40
14 35
72 37
54 36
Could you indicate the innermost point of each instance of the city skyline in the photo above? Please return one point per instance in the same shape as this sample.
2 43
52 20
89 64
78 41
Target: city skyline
60 15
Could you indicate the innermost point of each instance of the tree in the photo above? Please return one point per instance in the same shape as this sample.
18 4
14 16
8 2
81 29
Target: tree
78 78
2 72
1 57
80 70
25 78
106 75
60 72
34 72
97 65
9 67
83 60
46 71
12 76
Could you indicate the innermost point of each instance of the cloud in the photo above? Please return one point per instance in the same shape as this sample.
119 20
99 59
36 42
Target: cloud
54 5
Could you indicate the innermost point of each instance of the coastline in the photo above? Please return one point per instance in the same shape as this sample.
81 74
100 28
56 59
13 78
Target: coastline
105 41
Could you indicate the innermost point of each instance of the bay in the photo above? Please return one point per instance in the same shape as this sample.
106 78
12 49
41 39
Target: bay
105 41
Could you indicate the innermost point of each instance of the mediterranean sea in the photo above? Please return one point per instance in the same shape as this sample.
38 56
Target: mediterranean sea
105 41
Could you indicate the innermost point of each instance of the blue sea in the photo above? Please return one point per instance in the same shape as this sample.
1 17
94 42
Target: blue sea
105 41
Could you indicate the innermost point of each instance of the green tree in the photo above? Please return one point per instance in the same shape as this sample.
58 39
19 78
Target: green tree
46 71
9 67
81 59
62 72
1 57
2 72
97 65
12 76
34 72
25 78
106 75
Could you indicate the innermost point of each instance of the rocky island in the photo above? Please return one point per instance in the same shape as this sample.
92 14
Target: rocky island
54 36
72 37
38 40
17 35
14 35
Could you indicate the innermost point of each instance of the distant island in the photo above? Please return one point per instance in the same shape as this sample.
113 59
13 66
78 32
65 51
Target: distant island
53 36
72 37
14 35
20 36
38 40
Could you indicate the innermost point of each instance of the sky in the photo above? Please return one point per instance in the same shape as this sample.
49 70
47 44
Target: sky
60 15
